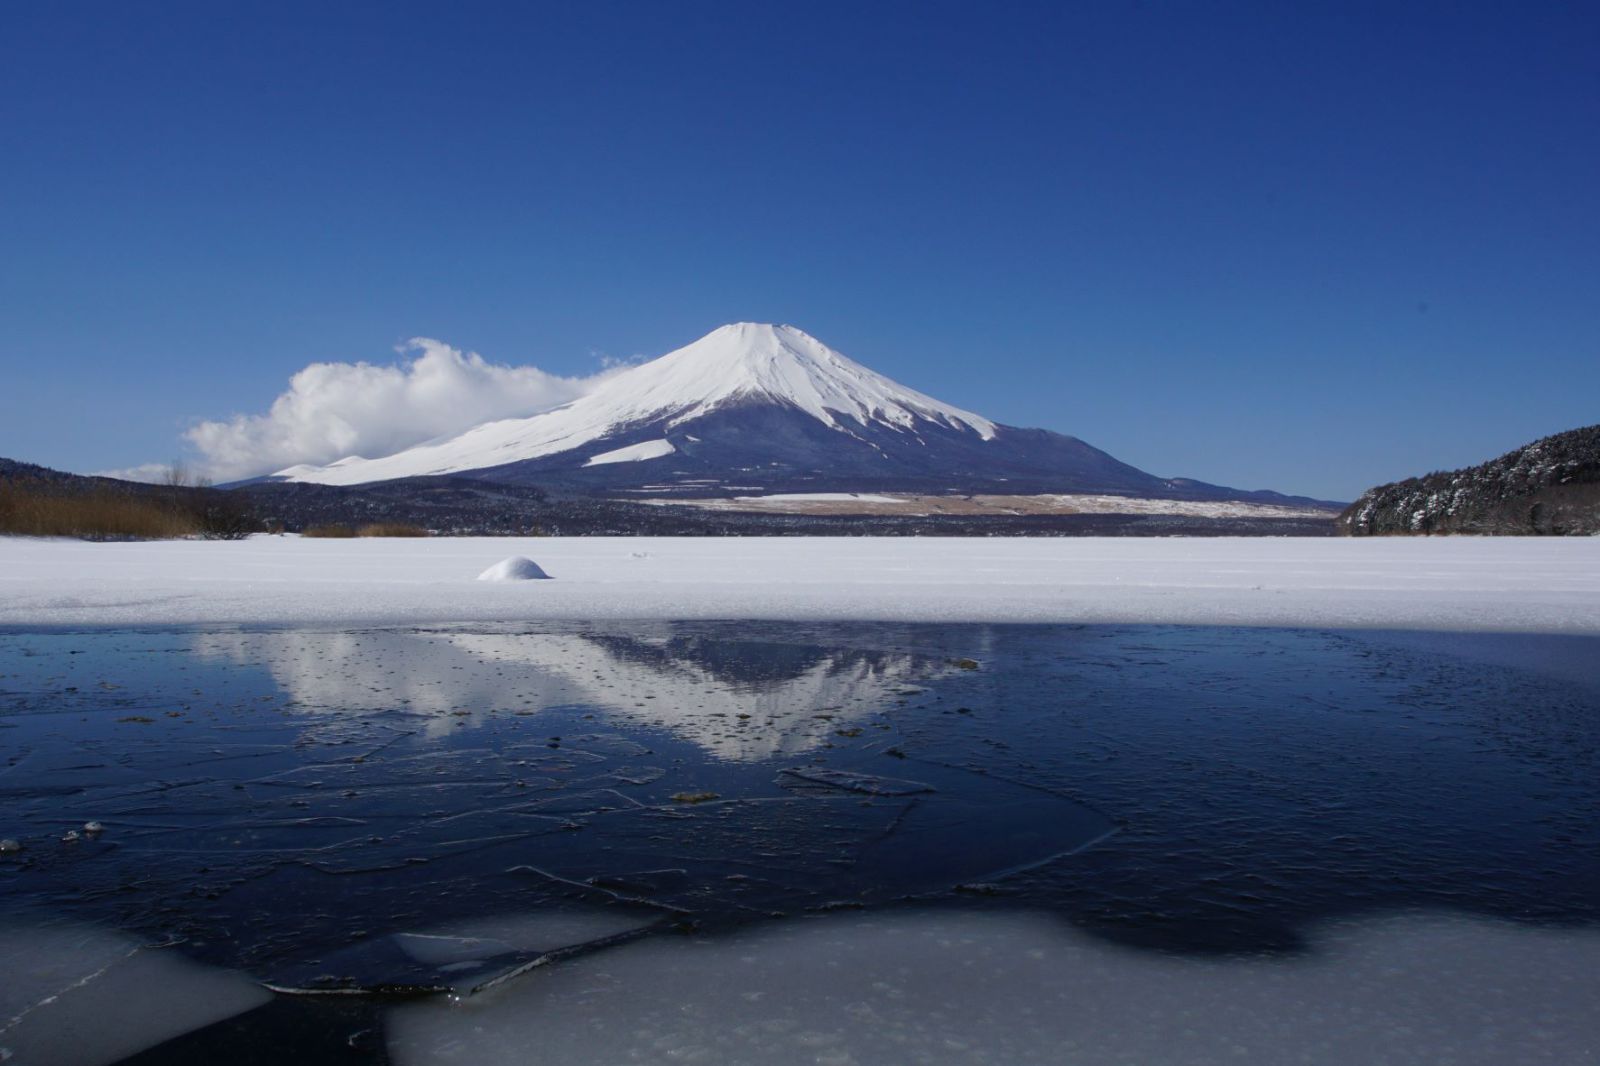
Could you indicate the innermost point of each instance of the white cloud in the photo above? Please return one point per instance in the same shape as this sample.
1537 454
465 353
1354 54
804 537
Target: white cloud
333 410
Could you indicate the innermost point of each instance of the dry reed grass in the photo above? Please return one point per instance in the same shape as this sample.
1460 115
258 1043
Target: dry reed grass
333 531
391 529
100 514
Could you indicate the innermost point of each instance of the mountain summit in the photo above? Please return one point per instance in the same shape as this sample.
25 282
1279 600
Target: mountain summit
752 407
753 362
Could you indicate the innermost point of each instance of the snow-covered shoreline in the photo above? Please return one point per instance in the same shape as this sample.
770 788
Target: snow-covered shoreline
1513 585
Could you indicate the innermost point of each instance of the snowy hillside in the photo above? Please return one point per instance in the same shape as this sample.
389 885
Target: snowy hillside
1549 487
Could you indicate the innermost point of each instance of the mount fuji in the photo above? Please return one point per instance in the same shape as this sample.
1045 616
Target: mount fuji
763 408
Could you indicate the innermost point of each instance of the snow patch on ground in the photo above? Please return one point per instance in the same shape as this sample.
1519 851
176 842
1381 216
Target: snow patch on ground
971 989
633 453
813 497
1506 584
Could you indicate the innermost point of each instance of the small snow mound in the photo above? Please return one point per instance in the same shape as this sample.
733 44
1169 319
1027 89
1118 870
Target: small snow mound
516 568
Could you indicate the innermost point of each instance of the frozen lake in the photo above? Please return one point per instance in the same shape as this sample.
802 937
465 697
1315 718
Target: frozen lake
789 842
1494 584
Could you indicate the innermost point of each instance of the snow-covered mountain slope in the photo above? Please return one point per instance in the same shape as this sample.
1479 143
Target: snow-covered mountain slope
742 363
761 408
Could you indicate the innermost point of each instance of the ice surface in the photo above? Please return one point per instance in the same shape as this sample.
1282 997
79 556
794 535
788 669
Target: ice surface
349 809
357 809
465 956
538 933
1459 583
1016 988
79 996
849 781
514 568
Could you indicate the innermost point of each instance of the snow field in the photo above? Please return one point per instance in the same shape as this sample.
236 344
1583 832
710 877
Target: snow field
1497 584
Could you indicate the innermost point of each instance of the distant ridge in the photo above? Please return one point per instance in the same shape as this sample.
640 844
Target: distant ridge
470 506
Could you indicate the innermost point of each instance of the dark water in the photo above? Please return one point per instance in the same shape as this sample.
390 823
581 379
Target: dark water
300 805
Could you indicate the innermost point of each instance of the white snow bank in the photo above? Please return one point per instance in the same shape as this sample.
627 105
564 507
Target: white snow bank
968 988
633 453
1502 584
514 568
821 497
85 996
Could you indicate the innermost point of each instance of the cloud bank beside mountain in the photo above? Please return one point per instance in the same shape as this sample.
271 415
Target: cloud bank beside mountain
333 410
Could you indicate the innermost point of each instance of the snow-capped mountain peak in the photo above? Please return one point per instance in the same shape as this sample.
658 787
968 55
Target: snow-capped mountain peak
740 363
787 365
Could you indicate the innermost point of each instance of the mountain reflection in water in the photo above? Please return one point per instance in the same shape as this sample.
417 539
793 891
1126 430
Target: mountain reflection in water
738 700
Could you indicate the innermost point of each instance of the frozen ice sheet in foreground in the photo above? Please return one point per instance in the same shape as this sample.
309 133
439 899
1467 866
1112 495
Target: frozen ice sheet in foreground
462 956
966 988
77 996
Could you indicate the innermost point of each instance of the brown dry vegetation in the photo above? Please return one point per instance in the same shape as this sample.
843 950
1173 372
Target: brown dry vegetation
391 529
340 531
332 531
96 509
101 514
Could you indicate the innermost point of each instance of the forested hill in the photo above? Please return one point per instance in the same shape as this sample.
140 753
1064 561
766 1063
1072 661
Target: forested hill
12 470
1549 487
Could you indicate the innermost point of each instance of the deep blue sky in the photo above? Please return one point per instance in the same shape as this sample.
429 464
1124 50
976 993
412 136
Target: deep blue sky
1304 247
